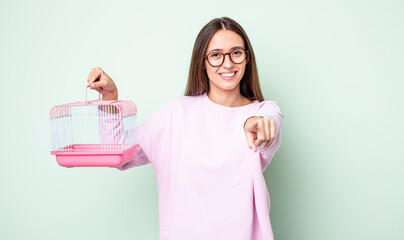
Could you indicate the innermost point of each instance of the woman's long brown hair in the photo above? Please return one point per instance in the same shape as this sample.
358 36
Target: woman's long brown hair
198 81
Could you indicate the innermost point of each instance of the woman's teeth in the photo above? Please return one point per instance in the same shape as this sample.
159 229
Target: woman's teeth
227 74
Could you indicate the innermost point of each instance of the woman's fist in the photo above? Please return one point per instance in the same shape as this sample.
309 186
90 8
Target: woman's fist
101 82
259 130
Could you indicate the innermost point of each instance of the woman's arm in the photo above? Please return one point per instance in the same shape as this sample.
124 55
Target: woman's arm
263 131
111 129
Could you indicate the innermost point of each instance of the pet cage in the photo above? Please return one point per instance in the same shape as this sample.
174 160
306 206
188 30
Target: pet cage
93 133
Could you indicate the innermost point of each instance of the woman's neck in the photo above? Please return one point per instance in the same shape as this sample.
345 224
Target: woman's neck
228 98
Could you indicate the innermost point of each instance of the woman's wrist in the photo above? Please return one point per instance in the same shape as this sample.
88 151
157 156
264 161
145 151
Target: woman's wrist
110 96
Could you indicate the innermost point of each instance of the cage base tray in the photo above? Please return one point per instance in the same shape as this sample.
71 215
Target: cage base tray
87 157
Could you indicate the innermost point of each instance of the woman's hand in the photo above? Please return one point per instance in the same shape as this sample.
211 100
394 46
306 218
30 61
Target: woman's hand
101 82
259 130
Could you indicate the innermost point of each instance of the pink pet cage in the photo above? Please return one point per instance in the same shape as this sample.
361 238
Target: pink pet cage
93 133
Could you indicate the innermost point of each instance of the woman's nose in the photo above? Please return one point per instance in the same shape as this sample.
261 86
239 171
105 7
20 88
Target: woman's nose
227 63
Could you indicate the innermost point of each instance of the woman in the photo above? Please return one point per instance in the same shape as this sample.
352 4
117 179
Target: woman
209 148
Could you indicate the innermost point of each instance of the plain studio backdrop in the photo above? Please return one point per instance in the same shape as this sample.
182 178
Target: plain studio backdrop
335 69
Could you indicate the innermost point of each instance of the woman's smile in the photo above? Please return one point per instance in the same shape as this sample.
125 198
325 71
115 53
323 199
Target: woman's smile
228 75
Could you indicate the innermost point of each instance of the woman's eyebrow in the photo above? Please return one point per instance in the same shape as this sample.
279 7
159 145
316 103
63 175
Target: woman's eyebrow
221 50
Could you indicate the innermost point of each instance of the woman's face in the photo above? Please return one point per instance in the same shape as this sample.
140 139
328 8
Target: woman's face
226 77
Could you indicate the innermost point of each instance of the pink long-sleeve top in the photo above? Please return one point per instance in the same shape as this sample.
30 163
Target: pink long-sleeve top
210 183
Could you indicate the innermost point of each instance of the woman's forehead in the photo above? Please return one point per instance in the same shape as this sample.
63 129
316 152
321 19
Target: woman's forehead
225 40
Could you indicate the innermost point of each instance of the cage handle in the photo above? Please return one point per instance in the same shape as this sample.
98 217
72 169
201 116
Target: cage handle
99 93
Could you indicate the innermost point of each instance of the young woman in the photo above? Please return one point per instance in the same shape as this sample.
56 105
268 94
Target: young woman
210 147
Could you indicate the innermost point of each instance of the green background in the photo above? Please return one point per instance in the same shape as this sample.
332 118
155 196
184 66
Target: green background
334 67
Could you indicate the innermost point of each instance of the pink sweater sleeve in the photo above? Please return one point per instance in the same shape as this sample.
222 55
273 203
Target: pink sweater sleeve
113 132
141 158
149 135
270 110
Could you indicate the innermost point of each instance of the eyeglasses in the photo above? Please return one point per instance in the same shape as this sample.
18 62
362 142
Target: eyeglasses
216 59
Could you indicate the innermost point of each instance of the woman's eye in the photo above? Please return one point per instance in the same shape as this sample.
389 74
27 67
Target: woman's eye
237 53
215 55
